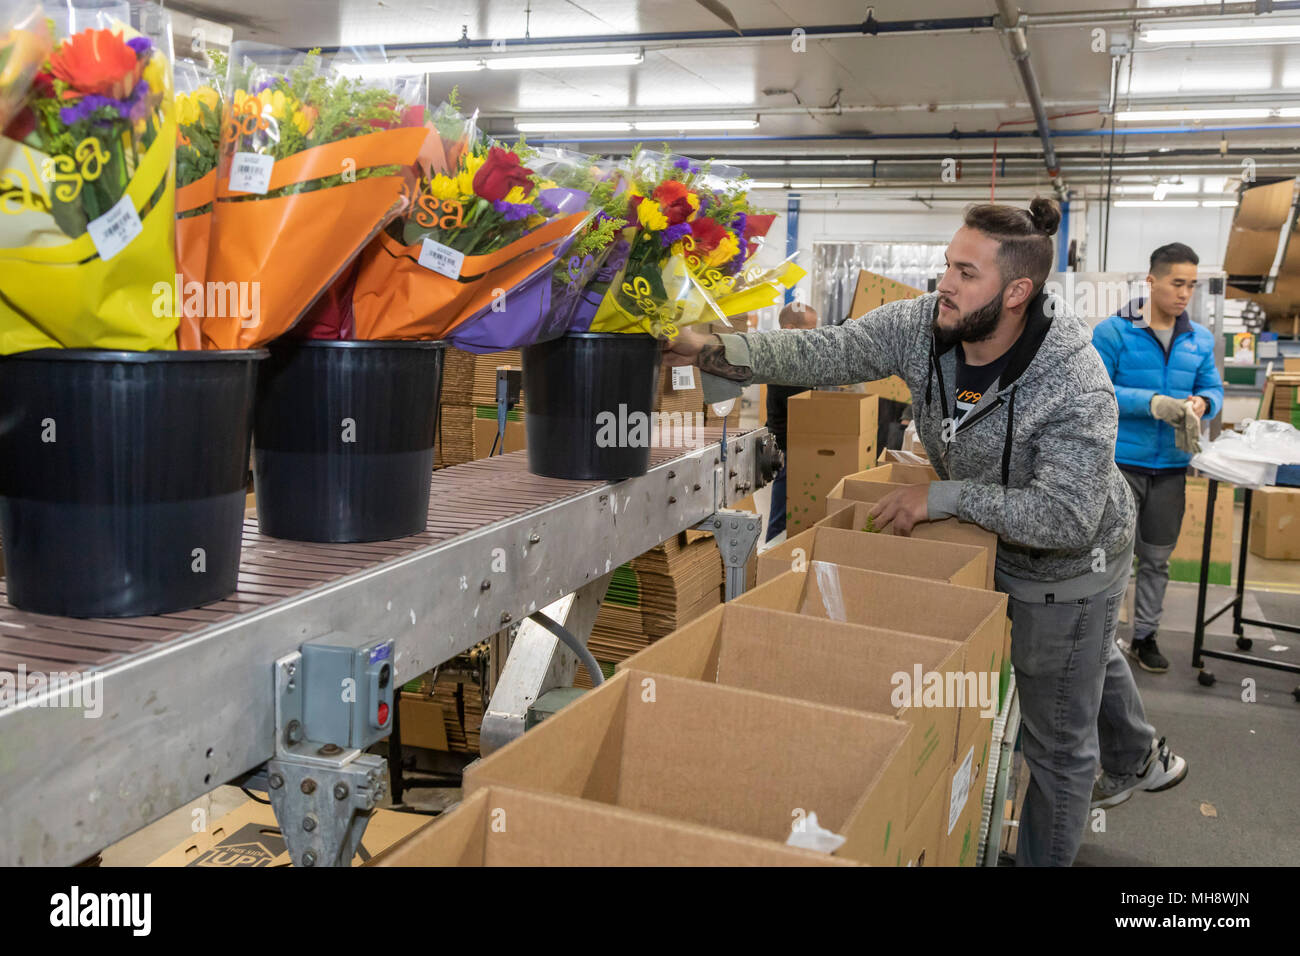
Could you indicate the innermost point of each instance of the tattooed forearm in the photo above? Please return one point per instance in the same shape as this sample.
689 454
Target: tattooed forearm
713 359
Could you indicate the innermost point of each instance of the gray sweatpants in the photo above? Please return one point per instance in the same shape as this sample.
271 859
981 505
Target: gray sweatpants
1160 518
1079 705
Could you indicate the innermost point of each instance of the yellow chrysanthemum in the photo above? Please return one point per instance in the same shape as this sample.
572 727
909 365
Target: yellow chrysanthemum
444 187
650 215
187 109
725 251
282 106
206 94
155 75
516 195
302 121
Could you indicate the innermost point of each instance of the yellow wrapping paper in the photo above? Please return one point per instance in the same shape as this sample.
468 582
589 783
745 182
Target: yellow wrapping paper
60 294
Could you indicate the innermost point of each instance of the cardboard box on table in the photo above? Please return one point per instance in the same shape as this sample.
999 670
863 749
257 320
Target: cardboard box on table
1274 524
723 757
1185 561
248 836
851 513
913 557
826 662
965 790
501 826
828 435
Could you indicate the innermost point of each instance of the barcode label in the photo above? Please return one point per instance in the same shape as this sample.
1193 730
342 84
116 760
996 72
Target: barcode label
251 173
960 789
441 259
113 231
683 377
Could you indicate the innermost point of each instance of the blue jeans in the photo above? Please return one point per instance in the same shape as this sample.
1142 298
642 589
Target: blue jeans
776 516
1079 705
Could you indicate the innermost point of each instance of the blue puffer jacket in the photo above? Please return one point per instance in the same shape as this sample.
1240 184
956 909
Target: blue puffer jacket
1140 369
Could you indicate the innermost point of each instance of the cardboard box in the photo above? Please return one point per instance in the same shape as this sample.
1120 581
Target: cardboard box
485 432
898 456
249 836
851 513
829 435
874 290
973 617
737 760
1185 561
1274 524
966 800
422 721
898 474
843 665
926 833
892 388
501 826
913 557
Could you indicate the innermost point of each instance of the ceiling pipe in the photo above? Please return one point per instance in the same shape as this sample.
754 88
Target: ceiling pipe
952 134
1009 17
840 31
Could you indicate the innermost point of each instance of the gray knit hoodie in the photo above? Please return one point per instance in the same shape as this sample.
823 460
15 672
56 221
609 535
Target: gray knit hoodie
1033 462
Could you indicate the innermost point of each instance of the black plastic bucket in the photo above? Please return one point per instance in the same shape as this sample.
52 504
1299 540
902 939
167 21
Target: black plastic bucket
122 478
584 392
343 438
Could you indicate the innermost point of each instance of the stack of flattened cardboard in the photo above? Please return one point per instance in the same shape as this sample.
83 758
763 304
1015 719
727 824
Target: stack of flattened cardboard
460 699
1281 399
467 423
1257 237
653 595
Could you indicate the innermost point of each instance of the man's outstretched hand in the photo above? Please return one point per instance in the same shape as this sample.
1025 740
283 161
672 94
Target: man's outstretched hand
904 509
685 349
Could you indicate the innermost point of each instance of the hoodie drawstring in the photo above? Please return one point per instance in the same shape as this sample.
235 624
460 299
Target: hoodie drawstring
1006 442
929 377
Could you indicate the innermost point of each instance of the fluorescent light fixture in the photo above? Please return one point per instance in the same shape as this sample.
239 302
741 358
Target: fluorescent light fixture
765 184
705 124
1289 111
564 61
1220 34
407 67
1219 203
1147 116
577 126
1163 203
742 162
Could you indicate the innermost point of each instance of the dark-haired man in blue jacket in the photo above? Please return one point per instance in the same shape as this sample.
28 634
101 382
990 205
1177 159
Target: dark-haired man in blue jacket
1166 381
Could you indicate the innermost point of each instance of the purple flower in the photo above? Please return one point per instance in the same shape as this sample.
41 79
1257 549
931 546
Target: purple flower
673 233
738 225
141 45
513 212
266 84
685 165
134 107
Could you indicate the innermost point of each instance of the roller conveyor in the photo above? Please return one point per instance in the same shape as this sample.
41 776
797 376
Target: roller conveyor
188 699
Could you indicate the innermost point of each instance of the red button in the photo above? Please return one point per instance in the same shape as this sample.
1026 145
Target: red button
383 713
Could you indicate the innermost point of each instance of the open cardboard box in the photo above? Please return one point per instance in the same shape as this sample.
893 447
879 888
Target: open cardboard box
973 617
844 665
738 760
851 513
829 435
964 806
897 473
891 456
501 826
945 561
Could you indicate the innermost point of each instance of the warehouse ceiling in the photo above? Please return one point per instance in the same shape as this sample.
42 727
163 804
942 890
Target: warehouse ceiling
850 110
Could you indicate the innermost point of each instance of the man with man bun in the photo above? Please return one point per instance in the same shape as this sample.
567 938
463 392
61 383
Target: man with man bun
1018 416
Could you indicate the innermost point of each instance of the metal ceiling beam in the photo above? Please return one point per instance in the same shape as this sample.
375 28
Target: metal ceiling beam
1009 17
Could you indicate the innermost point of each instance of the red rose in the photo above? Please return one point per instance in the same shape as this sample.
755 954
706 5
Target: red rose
500 174
707 234
671 196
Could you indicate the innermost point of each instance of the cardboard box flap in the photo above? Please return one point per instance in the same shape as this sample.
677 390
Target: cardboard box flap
893 554
501 826
829 413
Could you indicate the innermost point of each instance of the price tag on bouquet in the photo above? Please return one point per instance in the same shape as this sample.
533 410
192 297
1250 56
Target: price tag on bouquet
683 377
441 259
251 173
113 231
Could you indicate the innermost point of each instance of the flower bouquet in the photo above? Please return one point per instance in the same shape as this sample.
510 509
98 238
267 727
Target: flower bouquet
657 290
198 138
24 44
312 164
479 238
85 229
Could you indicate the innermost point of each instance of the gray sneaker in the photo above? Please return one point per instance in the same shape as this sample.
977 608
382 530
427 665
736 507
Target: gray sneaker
1162 770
